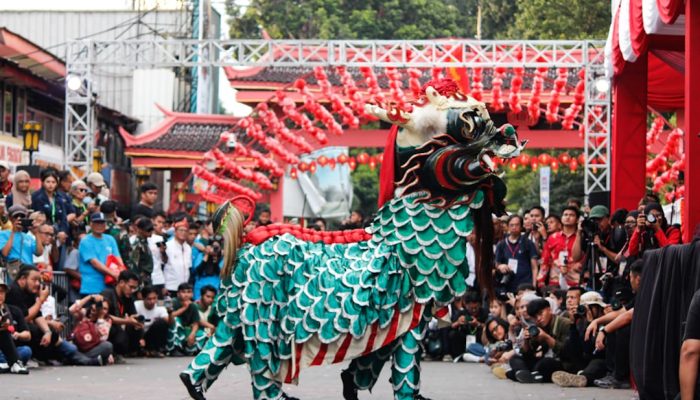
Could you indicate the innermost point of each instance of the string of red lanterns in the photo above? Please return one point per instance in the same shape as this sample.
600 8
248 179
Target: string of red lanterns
552 113
319 112
372 161
223 183
357 103
414 75
572 112
256 132
289 109
278 129
496 88
516 83
338 105
238 172
375 92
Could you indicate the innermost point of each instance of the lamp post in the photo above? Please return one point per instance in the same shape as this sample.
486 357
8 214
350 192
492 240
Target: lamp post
142 175
211 207
97 160
31 132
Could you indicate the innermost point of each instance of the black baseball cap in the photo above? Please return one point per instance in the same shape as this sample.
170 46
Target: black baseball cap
98 217
534 307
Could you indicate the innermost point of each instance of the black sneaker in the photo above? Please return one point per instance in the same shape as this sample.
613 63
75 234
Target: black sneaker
349 388
524 376
285 396
611 383
196 392
420 397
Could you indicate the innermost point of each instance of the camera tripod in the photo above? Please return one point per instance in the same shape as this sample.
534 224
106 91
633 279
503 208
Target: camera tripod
592 265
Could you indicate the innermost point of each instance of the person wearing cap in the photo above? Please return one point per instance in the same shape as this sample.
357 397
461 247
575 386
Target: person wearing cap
5 184
16 245
141 258
47 201
98 187
586 363
14 337
179 258
602 239
94 250
148 198
652 232
550 332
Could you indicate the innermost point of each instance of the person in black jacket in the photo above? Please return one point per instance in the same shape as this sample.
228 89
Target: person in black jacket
12 328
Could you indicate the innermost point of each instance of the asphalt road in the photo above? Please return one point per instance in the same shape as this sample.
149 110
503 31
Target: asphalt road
157 379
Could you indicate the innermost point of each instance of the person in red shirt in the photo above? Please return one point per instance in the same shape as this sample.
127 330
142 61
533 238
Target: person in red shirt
652 235
558 267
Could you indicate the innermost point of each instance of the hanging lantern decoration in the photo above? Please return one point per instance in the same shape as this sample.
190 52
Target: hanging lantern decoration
496 85
414 75
513 165
352 93
544 158
477 86
515 84
362 158
319 112
280 131
533 105
331 163
533 164
575 108
375 92
303 167
293 173
352 164
322 161
342 159
554 165
261 161
573 165
312 167
372 163
289 108
337 103
552 113
564 158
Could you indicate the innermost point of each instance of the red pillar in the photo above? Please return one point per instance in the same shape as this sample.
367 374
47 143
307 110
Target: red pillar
629 126
277 202
691 209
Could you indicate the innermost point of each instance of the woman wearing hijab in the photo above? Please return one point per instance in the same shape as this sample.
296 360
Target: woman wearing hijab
20 191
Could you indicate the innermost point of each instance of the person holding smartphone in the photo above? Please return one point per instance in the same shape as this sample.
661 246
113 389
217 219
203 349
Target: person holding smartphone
16 246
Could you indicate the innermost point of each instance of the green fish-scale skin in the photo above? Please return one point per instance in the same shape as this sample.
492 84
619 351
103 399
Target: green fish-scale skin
286 290
223 347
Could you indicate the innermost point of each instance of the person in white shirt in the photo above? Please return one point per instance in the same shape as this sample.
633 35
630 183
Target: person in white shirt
155 244
155 322
179 254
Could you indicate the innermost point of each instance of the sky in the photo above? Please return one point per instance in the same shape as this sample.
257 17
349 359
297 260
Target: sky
226 93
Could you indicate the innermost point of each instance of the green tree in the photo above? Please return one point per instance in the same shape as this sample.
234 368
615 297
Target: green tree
560 19
345 19
365 184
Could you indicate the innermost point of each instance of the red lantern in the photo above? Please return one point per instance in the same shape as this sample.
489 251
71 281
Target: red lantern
524 159
293 173
342 159
312 167
534 165
352 164
331 163
380 158
322 161
303 167
372 163
564 158
582 159
363 158
555 165
544 158
573 165
513 165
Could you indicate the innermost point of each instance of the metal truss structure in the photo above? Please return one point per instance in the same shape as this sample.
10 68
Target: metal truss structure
83 57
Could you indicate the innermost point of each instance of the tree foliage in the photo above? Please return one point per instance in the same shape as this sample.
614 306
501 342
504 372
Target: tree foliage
560 19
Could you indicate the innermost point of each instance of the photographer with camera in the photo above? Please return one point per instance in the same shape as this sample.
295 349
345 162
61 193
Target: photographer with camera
612 333
596 246
18 247
583 363
127 329
516 258
544 343
206 273
652 231
91 330
558 267
13 331
538 233
156 320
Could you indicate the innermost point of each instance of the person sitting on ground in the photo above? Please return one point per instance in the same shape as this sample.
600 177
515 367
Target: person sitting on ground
573 299
498 309
155 322
544 343
613 335
184 335
91 330
126 330
207 317
13 331
584 364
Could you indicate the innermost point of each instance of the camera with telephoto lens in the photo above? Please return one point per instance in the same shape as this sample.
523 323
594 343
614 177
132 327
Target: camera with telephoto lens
651 218
88 307
590 226
500 347
140 318
26 224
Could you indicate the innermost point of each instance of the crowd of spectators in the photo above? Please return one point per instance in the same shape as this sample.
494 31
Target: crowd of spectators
88 281
138 282
565 286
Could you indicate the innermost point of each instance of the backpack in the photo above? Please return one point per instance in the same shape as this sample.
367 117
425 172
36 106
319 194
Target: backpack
85 335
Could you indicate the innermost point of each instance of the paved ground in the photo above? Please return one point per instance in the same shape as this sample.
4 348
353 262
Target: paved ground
157 379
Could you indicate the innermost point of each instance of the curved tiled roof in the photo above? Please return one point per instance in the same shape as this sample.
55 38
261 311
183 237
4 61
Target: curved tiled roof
199 137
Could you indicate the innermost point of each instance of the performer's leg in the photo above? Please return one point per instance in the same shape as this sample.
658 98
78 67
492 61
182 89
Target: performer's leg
223 347
364 371
405 366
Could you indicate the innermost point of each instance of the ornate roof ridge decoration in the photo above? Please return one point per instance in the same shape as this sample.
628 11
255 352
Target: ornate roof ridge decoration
171 119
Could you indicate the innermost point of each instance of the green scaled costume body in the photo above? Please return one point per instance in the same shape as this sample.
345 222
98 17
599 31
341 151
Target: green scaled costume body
291 303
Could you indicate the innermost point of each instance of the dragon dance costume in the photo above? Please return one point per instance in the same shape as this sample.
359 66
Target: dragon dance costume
295 300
